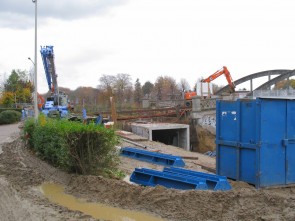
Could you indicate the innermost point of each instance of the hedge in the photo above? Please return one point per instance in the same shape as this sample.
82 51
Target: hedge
14 109
9 117
73 146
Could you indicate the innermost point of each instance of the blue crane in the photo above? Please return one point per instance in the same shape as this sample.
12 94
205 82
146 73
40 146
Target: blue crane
57 103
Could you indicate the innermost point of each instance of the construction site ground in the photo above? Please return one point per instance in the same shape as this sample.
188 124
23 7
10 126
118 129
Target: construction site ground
22 173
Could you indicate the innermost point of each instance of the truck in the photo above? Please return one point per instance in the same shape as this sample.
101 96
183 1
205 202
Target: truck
57 104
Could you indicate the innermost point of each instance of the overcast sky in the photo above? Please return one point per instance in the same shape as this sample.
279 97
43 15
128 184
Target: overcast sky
187 39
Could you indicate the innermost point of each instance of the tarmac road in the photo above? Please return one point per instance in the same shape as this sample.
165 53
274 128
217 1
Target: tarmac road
7 131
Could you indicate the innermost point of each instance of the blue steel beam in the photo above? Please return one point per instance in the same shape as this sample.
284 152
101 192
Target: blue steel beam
152 157
148 177
214 182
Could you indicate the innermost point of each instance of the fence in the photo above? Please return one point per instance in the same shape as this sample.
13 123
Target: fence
200 104
275 93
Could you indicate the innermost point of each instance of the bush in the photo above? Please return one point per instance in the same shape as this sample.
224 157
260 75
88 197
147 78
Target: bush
15 109
73 146
9 117
29 127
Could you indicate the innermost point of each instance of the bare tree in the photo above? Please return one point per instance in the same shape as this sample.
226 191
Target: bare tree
106 87
170 84
158 88
107 83
165 88
184 85
122 83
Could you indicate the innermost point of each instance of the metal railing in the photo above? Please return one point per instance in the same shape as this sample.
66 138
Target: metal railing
208 104
286 93
200 104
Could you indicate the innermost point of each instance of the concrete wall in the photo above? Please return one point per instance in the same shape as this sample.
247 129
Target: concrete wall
184 141
141 131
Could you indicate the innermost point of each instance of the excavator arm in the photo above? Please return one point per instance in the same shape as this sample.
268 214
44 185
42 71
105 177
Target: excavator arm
220 72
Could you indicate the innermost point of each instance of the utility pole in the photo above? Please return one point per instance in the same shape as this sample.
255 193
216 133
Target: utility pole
36 111
114 112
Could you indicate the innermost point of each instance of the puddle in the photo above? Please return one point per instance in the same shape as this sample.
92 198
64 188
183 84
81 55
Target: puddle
55 193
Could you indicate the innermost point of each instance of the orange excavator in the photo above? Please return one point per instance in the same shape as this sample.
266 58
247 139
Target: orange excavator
41 101
202 91
218 73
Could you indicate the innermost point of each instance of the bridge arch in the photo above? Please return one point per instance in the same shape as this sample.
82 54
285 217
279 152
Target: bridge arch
279 72
273 81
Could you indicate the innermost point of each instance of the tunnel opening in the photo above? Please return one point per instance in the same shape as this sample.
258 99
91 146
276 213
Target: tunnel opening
169 134
168 137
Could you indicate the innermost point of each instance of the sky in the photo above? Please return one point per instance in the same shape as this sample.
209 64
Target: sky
183 39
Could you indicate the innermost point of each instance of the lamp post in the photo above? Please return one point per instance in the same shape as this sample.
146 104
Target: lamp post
36 111
32 74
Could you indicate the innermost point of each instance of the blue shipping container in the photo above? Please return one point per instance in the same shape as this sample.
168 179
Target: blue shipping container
255 141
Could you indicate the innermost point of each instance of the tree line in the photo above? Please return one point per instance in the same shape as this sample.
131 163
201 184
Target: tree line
18 89
127 94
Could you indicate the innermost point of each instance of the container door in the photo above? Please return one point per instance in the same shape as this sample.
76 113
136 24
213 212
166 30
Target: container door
290 142
226 138
272 151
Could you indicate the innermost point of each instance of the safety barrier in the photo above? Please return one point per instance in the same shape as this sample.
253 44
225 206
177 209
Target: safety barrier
148 177
152 157
213 181
179 178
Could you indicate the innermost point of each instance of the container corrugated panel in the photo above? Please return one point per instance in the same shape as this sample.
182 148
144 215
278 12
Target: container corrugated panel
255 141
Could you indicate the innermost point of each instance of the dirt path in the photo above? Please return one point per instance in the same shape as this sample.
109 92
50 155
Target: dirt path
8 133
21 174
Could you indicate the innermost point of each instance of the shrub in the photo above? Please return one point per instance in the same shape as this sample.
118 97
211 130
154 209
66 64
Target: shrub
9 117
73 146
29 127
15 109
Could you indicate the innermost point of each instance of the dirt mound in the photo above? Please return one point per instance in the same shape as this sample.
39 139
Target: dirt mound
22 173
206 140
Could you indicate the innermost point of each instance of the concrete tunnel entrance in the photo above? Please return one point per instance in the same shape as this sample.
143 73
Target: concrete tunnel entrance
169 137
170 134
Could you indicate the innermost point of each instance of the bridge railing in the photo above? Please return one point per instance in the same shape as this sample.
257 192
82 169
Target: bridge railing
200 104
163 103
274 93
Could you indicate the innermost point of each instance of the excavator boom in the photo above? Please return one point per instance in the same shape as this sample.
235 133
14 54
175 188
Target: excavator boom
220 72
205 89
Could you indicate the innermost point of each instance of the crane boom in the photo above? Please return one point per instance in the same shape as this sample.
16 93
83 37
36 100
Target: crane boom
58 102
220 72
47 54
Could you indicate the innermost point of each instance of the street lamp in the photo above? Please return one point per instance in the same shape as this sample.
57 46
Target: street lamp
31 60
35 66
32 74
